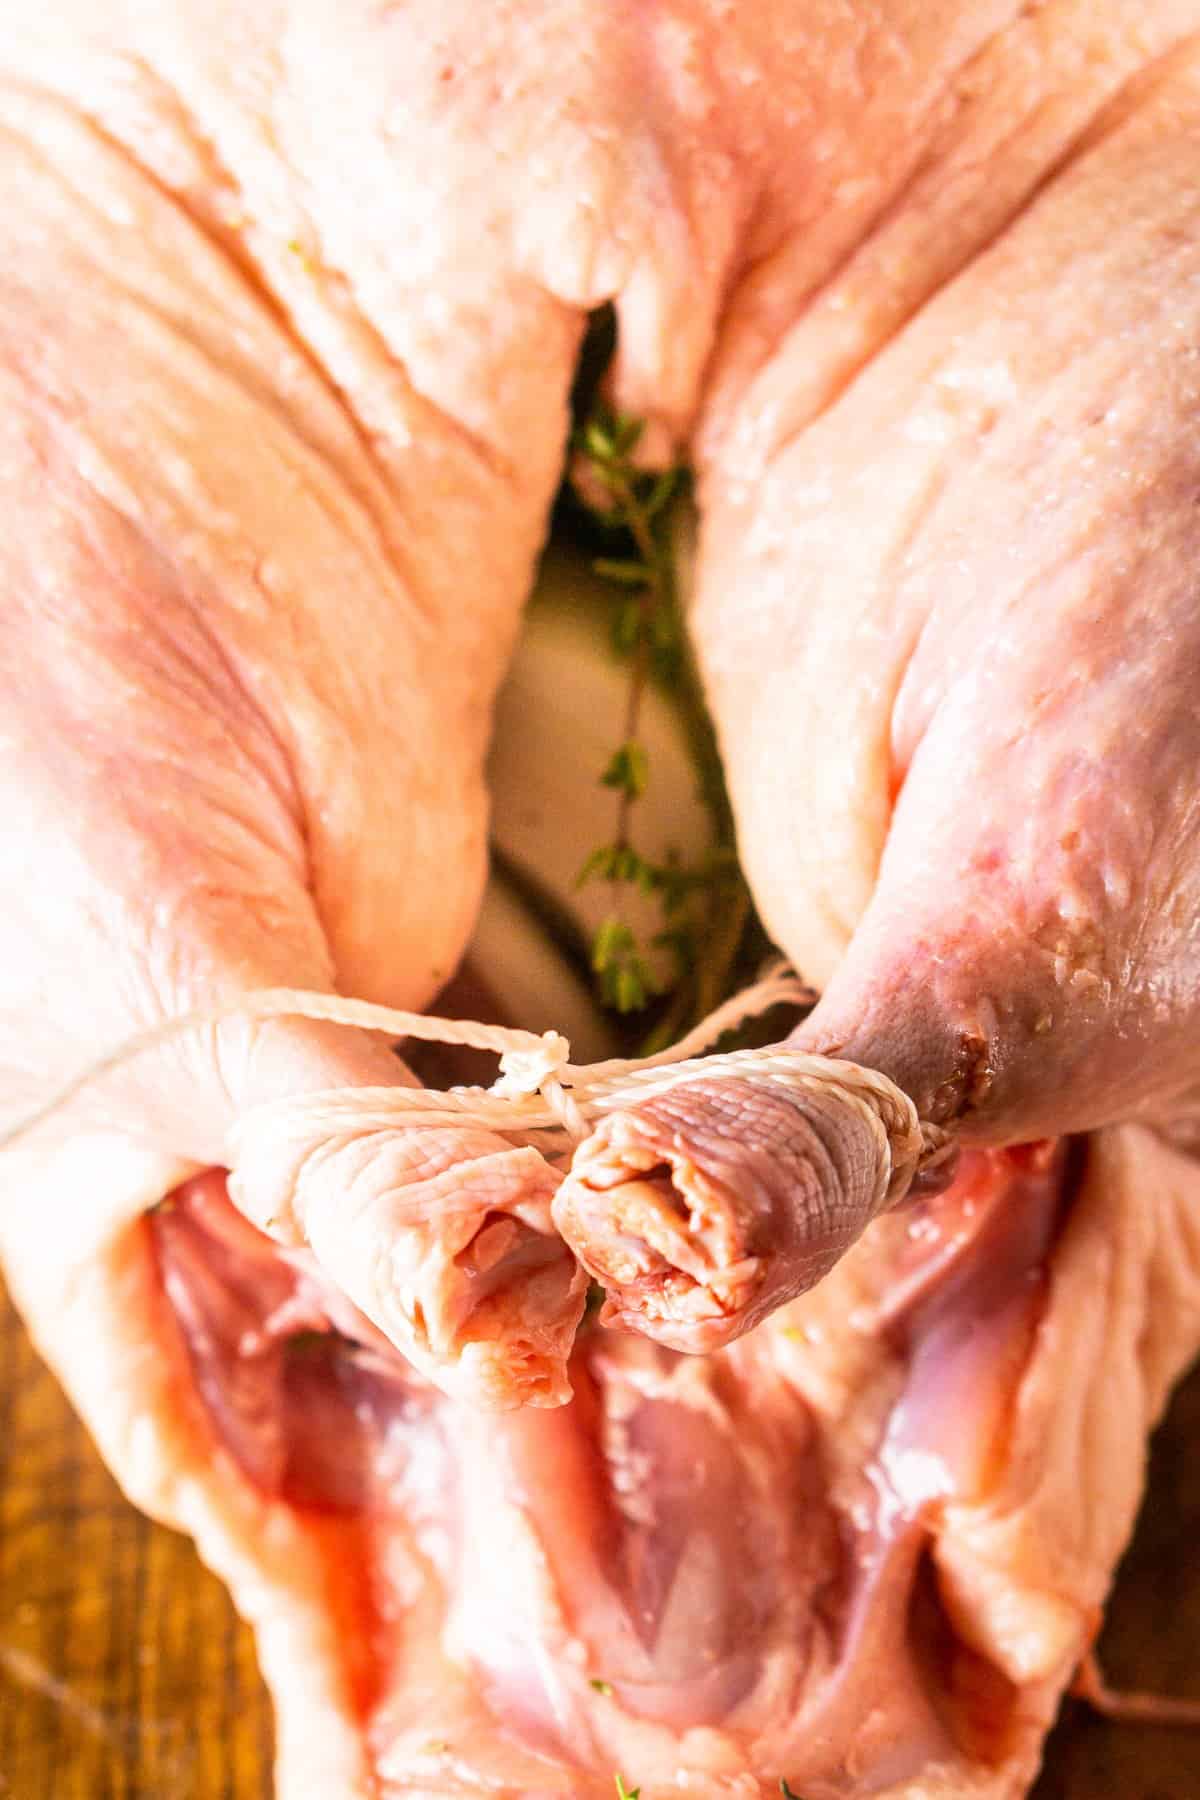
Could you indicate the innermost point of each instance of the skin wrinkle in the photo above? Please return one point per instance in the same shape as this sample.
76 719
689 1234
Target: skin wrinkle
763 266
274 770
1107 118
245 270
342 476
1142 86
158 927
705 1208
156 544
938 158
203 213
405 310
490 456
282 777
481 728
374 515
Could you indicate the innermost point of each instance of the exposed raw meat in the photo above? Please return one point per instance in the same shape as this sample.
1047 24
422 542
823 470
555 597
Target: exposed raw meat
441 1233
268 1343
938 1444
703 1208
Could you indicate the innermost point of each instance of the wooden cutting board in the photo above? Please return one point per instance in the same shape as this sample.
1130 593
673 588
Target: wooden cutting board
125 1674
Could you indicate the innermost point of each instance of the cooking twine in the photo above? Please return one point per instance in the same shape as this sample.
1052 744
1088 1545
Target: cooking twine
540 1097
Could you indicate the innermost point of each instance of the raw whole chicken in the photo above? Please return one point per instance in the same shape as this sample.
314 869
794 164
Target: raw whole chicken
291 300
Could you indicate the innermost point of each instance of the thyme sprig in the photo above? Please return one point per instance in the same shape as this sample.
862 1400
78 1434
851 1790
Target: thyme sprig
705 908
644 628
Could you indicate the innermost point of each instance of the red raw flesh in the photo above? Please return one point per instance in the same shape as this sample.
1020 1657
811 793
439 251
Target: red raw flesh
311 1415
681 1504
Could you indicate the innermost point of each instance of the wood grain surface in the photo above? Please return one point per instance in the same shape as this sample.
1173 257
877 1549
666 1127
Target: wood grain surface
126 1675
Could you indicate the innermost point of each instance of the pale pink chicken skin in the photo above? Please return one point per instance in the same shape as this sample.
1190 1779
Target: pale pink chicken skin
266 397
290 305
947 621
703 1209
974 558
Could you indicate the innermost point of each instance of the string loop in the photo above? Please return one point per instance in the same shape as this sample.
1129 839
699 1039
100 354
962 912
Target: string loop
540 1097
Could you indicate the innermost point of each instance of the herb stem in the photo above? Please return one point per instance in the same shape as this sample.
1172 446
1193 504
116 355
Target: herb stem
705 908
649 595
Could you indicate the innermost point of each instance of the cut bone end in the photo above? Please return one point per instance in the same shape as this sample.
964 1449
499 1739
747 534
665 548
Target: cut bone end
658 1255
440 1234
521 1296
704 1208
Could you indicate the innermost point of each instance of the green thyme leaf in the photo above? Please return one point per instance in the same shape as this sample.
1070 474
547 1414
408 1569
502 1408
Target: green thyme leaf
626 627
630 989
627 433
624 1793
597 439
664 490
628 770
597 866
665 633
613 940
647 878
707 919
601 1687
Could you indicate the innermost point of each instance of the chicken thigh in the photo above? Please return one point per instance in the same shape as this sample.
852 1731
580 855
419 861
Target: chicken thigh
945 613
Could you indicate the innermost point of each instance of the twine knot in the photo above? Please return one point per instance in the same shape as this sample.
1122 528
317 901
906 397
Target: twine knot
527 1070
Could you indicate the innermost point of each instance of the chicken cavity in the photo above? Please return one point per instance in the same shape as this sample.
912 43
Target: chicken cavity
723 1567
